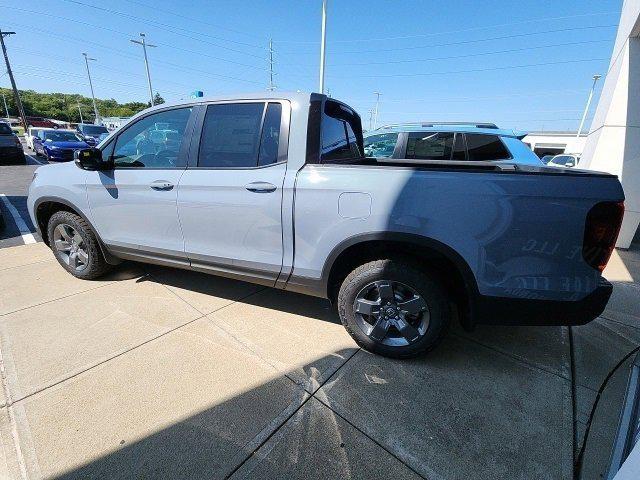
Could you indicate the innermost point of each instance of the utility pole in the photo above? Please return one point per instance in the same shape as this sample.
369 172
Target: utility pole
6 110
16 95
323 44
93 97
375 117
586 108
80 112
144 44
272 86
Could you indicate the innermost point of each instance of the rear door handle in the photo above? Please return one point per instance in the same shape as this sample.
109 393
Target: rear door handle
161 185
261 187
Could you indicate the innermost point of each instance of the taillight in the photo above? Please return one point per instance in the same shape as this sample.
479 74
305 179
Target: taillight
601 232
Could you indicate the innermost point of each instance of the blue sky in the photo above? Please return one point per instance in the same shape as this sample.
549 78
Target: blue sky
525 65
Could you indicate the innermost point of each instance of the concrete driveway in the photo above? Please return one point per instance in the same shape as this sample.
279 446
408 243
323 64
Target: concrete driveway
161 373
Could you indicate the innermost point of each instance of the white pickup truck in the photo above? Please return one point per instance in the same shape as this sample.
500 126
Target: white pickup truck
275 189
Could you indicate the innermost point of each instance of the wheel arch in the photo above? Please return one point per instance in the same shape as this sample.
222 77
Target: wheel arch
45 207
449 264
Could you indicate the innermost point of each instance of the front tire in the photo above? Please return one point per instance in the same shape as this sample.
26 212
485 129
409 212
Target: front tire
394 309
75 246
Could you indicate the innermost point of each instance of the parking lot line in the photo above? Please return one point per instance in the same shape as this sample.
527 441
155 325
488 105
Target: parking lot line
34 159
26 234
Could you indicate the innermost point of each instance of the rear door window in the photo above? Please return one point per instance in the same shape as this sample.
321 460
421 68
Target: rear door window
482 147
430 145
240 135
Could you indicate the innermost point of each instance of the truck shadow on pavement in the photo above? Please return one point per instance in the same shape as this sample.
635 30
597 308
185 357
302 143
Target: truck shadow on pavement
487 404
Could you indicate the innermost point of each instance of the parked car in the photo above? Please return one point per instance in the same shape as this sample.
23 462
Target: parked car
448 141
91 133
58 144
31 133
40 122
564 160
274 189
11 151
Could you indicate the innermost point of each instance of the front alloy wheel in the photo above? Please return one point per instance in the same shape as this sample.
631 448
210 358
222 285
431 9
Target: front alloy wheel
71 247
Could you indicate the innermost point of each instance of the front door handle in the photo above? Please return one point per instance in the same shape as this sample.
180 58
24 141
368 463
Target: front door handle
261 187
161 185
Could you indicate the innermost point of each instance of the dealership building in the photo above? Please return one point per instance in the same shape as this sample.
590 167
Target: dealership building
555 143
613 142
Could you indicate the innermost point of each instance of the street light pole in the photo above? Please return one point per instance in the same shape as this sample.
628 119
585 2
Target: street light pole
323 44
586 108
375 117
16 95
144 44
93 97
80 112
272 86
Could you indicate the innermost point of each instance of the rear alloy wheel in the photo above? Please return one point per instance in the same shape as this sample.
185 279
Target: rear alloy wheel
76 246
391 308
391 313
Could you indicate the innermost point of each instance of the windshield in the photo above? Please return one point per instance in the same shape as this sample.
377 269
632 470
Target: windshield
380 145
5 129
563 160
93 129
61 137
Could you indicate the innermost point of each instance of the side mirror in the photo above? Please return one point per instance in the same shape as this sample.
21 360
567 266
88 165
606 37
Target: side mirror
90 159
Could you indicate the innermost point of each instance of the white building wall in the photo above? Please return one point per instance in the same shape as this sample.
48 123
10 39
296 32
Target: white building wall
613 144
565 140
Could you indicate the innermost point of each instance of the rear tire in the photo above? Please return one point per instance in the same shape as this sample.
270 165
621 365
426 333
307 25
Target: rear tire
394 309
75 246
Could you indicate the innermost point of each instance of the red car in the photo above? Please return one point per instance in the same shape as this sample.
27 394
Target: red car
40 122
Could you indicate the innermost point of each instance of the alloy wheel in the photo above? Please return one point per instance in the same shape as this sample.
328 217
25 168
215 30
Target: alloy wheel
70 246
391 313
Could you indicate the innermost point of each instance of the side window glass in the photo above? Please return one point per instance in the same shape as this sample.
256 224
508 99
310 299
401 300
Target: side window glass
107 150
339 140
153 142
270 140
231 136
430 145
381 145
483 147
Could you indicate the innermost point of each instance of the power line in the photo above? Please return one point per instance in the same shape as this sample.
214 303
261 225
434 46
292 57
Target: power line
452 57
170 28
464 30
193 19
463 42
546 93
475 70
118 52
127 35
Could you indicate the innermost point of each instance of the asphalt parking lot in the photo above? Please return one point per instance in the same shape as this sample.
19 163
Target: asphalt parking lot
160 373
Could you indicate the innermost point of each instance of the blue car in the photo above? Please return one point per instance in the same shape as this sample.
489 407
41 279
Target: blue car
91 133
58 145
447 141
